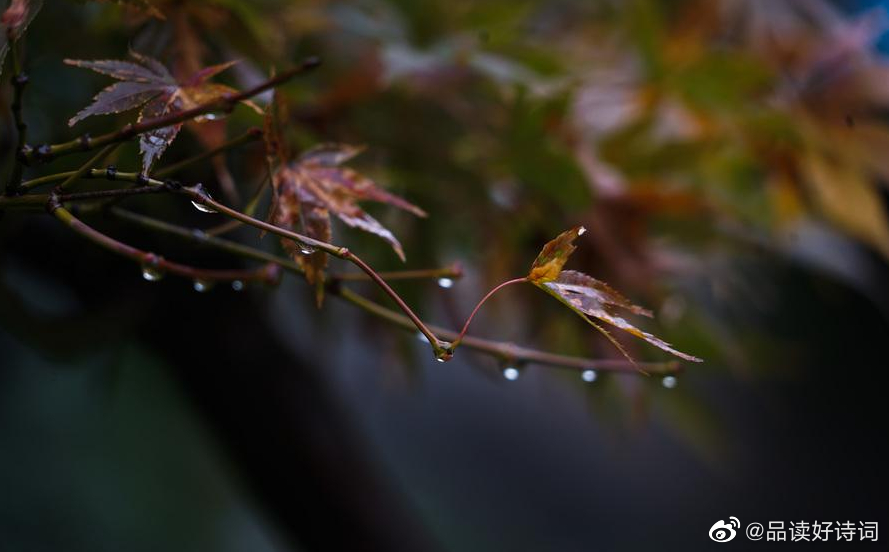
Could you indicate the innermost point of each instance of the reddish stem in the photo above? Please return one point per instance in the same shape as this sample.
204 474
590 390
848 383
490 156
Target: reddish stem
264 274
482 302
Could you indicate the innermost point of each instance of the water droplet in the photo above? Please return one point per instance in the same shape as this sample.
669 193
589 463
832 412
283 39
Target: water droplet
588 376
202 208
151 274
581 231
209 117
422 337
306 249
151 271
669 382
511 373
202 286
237 285
444 351
445 283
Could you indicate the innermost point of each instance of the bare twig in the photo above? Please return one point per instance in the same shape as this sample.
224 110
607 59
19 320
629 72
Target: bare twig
95 160
150 261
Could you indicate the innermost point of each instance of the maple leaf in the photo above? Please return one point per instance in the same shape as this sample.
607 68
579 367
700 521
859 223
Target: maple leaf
14 22
315 186
586 296
147 84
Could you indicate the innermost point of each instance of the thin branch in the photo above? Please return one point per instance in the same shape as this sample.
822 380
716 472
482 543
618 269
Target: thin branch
23 202
504 351
86 167
250 136
117 193
150 261
482 302
454 270
202 238
29 185
224 103
441 349
19 81
509 352
249 209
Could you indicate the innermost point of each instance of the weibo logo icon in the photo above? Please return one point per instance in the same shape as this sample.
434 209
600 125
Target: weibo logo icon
724 532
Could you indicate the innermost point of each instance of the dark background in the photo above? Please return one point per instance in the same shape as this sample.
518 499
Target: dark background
147 416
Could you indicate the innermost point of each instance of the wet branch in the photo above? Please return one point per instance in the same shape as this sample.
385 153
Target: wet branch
224 103
506 352
153 264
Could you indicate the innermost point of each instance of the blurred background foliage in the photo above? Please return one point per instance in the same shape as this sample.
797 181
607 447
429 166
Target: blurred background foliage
727 157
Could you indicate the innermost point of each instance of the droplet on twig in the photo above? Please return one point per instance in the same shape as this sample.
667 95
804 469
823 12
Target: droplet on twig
151 271
511 373
201 286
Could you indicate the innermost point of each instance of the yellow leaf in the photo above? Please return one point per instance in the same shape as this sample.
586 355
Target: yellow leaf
554 255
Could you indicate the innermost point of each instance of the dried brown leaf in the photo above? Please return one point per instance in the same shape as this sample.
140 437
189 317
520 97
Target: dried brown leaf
553 256
314 187
588 297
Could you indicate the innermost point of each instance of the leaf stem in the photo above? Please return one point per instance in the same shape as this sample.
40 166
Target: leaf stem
482 302
223 103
